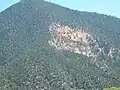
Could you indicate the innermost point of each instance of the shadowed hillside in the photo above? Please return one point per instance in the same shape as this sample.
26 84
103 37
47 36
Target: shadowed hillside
44 46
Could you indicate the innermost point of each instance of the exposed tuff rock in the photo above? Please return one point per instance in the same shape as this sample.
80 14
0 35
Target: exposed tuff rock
75 40
81 42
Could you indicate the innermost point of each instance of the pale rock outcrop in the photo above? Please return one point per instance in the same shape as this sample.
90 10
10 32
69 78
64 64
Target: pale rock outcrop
75 40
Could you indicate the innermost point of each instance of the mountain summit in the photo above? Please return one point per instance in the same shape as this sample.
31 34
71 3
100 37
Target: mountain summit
32 1
44 46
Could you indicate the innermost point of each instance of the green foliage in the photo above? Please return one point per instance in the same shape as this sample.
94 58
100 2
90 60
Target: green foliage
113 88
28 62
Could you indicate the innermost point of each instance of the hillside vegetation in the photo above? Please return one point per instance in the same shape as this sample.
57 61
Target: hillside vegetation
34 57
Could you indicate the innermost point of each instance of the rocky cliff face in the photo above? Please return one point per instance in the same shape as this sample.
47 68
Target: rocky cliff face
75 40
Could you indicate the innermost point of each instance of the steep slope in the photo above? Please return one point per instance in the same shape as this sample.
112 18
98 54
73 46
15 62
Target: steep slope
44 46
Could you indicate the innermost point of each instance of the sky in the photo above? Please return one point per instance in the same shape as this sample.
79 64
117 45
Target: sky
109 7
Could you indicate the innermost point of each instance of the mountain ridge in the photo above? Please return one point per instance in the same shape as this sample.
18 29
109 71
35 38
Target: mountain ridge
28 61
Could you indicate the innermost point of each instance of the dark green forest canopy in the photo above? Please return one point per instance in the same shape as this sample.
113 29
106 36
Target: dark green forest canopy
27 61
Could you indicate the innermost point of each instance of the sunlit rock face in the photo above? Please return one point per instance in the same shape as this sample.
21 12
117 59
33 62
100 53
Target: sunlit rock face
74 40
79 41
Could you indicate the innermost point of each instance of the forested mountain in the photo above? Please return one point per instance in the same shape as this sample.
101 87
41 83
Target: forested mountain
44 46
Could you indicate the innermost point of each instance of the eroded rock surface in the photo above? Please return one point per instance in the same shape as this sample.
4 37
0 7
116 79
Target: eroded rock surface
75 40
